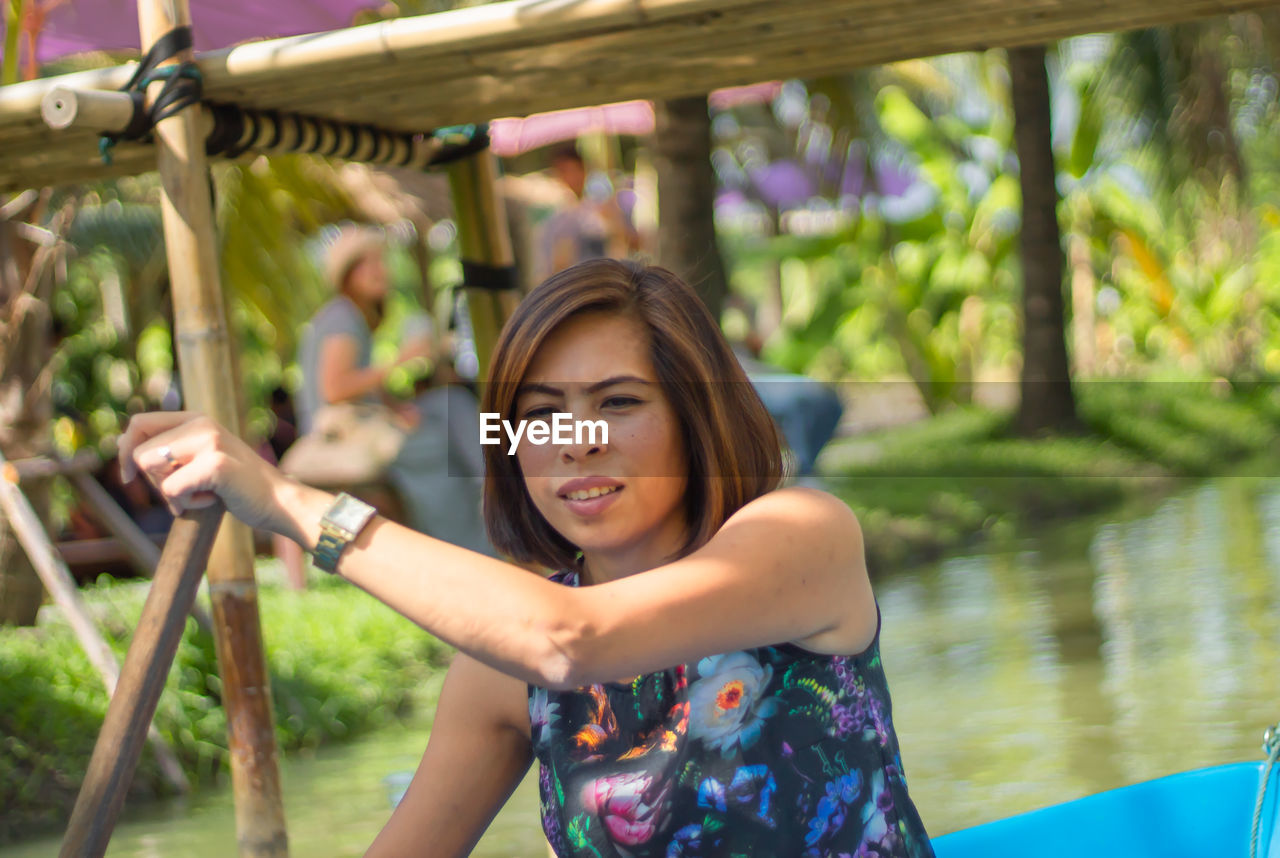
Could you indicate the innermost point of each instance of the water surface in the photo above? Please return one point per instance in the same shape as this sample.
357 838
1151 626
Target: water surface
1101 653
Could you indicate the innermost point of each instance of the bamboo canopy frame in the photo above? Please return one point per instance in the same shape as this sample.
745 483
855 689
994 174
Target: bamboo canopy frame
526 56
404 77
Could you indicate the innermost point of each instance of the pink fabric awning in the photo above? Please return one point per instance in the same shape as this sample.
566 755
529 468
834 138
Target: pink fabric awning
65 27
510 137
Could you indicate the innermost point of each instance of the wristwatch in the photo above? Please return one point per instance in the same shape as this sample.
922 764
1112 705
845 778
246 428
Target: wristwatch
340 524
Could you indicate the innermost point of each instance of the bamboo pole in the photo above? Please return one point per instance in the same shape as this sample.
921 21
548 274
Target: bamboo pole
483 238
264 132
119 744
204 362
142 552
92 108
42 467
268 73
62 587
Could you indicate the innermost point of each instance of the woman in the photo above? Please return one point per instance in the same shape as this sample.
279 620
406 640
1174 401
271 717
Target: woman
438 451
770 736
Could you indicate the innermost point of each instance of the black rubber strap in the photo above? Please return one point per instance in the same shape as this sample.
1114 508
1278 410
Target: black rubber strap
273 119
183 86
493 278
228 128
140 123
449 153
167 46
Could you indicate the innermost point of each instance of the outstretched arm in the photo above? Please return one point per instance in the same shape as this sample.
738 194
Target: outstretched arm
341 378
787 567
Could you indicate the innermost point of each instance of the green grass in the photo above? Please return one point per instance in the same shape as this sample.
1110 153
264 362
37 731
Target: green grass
340 664
961 477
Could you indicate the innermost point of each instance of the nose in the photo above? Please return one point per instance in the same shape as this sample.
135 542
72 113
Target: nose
579 452
585 439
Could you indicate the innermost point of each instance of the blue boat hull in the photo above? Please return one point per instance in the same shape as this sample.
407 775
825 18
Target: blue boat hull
1199 814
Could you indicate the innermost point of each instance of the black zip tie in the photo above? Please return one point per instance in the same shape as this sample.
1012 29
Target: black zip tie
491 278
183 88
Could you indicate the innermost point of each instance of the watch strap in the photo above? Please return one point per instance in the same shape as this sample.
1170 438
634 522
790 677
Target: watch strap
335 536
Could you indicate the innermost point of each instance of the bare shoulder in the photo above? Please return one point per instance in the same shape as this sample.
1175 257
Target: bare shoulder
805 511
819 533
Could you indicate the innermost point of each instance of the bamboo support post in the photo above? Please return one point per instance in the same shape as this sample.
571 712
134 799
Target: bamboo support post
483 238
142 552
205 364
58 581
115 754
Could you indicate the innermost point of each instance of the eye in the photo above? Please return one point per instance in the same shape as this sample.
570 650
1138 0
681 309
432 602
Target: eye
620 400
536 412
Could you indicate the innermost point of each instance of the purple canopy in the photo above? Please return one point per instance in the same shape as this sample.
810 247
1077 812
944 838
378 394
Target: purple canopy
75 26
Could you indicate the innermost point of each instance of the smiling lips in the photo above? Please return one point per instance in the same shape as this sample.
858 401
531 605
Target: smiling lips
589 495
583 494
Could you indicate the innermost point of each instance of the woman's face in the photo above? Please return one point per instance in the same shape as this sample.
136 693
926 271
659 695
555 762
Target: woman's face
596 367
367 280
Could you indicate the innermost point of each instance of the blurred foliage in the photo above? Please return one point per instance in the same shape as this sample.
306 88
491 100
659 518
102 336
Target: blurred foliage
115 314
899 259
340 664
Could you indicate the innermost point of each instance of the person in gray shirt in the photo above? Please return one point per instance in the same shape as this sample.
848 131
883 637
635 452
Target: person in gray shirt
438 470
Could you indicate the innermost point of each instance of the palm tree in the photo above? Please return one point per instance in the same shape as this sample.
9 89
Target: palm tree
686 197
1047 402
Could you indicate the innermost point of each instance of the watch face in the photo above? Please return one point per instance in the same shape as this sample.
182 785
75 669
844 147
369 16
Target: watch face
349 513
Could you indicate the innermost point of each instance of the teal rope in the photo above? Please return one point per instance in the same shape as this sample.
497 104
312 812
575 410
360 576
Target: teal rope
1271 747
167 106
188 71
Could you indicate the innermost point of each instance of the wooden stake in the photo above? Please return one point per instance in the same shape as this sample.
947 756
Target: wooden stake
483 238
115 754
58 581
204 363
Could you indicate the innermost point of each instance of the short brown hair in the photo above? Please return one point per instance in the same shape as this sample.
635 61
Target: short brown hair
731 444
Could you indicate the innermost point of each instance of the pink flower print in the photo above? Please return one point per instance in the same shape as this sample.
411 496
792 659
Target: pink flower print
627 804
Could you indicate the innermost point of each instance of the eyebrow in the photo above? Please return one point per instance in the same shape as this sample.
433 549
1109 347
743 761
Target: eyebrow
551 390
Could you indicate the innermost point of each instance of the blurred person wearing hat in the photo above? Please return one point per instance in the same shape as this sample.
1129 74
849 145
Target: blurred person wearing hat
434 469
336 348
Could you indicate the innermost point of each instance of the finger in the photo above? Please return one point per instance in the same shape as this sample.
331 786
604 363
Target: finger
142 427
192 485
164 454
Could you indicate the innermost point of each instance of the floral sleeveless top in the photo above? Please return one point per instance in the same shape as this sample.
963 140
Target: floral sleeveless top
774 751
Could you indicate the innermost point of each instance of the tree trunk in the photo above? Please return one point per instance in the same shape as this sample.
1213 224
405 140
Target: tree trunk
1048 403
1201 119
686 198
25 409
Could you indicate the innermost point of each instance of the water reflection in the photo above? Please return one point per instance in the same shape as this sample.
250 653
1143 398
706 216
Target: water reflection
1100 654
1104 654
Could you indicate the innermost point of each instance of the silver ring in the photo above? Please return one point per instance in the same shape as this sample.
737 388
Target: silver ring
166 454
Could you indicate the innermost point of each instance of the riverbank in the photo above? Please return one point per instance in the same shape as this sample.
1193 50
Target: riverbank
961 478
340 663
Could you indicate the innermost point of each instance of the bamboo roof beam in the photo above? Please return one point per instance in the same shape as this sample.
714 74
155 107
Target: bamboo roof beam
525 56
